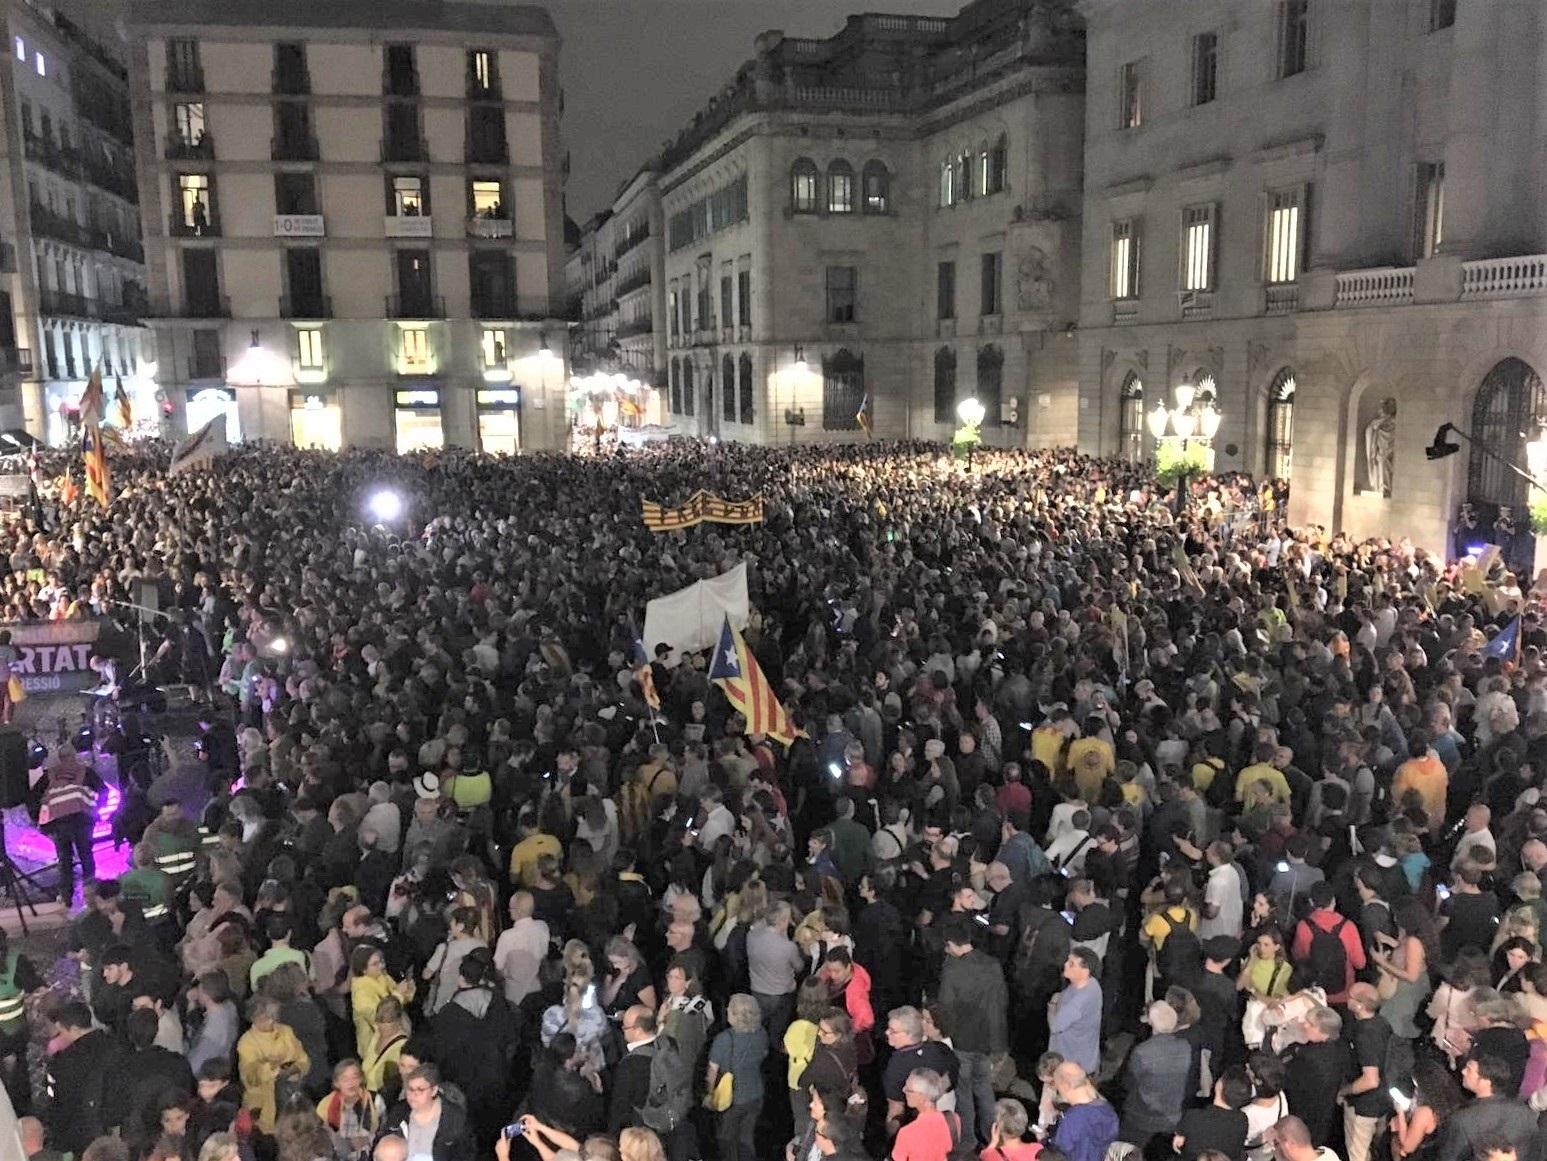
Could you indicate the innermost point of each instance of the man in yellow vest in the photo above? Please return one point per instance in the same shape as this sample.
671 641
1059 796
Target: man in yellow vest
67 813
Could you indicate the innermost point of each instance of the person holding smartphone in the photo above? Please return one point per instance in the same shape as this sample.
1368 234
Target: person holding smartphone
1419 1113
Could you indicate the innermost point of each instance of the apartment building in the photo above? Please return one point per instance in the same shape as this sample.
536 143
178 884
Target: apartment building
72 275
887 219
354 219
1327 215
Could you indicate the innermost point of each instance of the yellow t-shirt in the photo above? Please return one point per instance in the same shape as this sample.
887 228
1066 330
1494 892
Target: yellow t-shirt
800 1047
1262 772
1268 976
1047 747
1157 929
523 858
1091 761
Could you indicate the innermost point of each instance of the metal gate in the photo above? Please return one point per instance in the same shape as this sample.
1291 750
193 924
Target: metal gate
1511 406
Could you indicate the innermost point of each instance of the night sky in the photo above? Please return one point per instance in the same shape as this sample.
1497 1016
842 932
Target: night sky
634 71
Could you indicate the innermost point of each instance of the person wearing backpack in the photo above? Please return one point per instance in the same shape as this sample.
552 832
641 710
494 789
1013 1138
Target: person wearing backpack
1171 933
1327 949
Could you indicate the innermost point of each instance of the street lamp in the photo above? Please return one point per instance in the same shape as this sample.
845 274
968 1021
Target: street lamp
970 411
1190 419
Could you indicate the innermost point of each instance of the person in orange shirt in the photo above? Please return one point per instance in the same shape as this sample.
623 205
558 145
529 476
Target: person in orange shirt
1424 774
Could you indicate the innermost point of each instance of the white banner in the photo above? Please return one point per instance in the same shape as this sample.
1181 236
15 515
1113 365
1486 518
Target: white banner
200 447
690 619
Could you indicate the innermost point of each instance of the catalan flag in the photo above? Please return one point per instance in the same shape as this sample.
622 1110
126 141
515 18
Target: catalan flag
92 403
864 417
737 672
98 480
122 406
644 674
722 511
659 518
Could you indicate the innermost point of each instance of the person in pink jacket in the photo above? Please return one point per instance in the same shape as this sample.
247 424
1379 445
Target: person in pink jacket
850 984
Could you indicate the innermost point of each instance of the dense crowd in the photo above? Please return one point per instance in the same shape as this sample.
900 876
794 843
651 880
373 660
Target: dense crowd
1109 830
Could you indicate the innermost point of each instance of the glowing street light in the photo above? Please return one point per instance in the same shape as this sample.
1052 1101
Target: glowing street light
279 645
1191 418
385 505
971 412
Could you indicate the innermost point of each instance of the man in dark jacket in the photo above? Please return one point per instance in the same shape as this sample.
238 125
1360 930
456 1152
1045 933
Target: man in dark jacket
431 1124
1317 1071
631 1077
151 1072
83 1090
976 1001
1493 1114
475 1035
1156 1081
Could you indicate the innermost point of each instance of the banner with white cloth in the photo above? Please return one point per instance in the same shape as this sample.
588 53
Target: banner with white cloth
690 619
201 447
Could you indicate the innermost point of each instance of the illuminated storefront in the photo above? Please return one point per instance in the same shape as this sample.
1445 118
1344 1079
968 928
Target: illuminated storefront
316 420
499 421
418 421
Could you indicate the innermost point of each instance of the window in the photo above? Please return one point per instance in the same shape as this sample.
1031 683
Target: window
1198 248
494 347
303 271
992 271
840 188
290 74
414 352
878 188
1130 420
1442 14
803 183
486 135
189 118
1429 210
843 390
201 283
945 290
295 193
418 421
1124 275
676 386
309 349
1294 37
728 389
1280 425
413 284
727 301
686 298
402 78
747 403
1205 67
21 50
488 198
40 62
194 197
945 385
998 166
1285 235
480 70
744 297
840 294
991 384
671 311
689 403
962 167
1130 113
183 72
408 197
947 184
293 138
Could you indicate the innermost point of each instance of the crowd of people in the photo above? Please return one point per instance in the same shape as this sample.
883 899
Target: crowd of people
1108 830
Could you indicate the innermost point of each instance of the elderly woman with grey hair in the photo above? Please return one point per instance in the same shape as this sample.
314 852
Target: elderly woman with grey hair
737 1053
1006 1140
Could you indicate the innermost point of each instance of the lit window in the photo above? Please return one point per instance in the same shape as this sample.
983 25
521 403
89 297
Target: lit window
803 183
414 355
193 189
1429 222
1125 261
190 122
488 200
1131 108
840 188
483 70
40 63
21 50
1284 236
408 197
947 184
309 343
1198 248
877 188
494 348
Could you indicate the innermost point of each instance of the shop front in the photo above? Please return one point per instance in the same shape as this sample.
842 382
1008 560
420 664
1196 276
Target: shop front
205 403
417 421
499 421
316 420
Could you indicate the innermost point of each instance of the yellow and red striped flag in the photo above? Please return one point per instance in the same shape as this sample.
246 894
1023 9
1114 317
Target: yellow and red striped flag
99 481
122 405
737 672
92 402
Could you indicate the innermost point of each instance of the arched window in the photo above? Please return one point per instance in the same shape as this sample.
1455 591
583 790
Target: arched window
878 188
1130 420
999 166
728 389
1508 410
945 386
963 165
803 186
1206 389
843 390
676 386
748 409
688 407
990 383
947 184
840 188
1281 424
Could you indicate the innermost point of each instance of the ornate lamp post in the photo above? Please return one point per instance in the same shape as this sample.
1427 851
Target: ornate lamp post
971 413
1190 420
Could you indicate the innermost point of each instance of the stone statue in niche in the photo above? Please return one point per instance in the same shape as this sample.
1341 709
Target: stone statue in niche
1380 449
1034 289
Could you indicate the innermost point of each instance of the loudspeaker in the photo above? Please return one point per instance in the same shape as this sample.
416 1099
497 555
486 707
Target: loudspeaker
148 593
14 753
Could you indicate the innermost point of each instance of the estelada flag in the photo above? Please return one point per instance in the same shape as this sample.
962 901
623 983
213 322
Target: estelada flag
122 405
92 402
98 480
737 672
1505 646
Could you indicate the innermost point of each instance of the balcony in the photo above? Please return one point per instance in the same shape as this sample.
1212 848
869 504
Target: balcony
1282 298
305 306
407 226
207 367
640 278
297 147
104 177
15 361
412 306
629 244
180 148
178 226
1378 286
1196 303
481 227
61 304
205 306
189 79
51 225
1504 277
639 326
291 82
298 226
124 314
494 306
130 249
481 152
397 149
400 83
1125 310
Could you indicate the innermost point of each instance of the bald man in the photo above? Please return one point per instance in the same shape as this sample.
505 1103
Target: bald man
520 950
1089 1124
631 1079
1365 1103
390 1148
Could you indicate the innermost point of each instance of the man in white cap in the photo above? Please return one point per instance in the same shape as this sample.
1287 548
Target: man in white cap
1156 1080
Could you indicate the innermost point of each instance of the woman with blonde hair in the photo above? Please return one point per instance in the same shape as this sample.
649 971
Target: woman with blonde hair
739 1052
580 1014
635 1144
629 982
219 1147
390 1031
